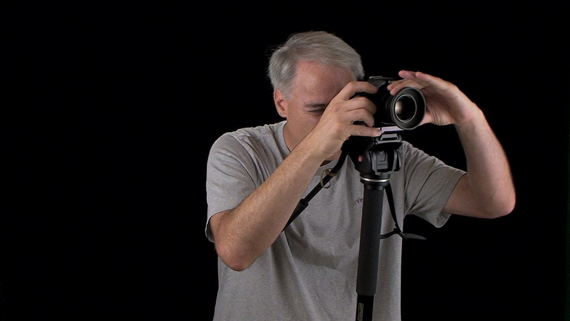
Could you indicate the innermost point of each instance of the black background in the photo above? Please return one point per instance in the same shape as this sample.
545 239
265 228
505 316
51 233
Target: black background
113 107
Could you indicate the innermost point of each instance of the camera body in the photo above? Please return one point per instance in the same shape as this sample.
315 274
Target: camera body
405 110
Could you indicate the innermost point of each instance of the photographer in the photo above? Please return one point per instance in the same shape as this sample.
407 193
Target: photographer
307 270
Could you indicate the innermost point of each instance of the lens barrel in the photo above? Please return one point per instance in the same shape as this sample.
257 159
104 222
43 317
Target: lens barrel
406 109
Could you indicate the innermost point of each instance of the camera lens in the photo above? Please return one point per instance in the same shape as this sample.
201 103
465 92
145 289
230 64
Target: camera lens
406 109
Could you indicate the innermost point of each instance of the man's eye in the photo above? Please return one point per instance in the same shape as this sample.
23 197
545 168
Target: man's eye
316 111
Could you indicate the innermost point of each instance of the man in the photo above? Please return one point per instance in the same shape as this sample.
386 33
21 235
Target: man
307 270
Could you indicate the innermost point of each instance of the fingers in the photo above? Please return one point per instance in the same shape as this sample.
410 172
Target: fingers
353 112
355 108
407 74
361 111
360 130
356 87
415 79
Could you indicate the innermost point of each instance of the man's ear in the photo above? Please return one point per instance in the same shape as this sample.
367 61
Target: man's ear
280 103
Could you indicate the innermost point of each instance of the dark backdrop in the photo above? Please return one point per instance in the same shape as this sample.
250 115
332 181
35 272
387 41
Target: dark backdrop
113 109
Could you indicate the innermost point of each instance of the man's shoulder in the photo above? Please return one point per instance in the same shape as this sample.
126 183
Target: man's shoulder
262 135
260 130
254 133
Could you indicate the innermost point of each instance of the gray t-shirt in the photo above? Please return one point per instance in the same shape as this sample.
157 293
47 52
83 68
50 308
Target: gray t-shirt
310 272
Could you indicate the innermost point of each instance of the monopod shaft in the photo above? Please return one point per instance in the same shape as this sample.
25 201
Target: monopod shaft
368 258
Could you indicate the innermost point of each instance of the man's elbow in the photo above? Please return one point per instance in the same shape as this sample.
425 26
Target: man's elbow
232 257
502 208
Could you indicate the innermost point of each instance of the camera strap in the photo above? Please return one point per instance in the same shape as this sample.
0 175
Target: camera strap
397 229
327 176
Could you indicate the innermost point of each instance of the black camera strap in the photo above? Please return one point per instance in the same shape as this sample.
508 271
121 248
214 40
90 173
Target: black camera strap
303 203
397 229
329 174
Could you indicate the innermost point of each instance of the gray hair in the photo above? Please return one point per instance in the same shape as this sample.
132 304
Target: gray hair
318 46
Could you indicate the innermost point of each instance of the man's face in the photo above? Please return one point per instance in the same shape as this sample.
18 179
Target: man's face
314 87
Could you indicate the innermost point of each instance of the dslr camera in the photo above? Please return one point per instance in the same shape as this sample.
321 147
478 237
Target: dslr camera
403 111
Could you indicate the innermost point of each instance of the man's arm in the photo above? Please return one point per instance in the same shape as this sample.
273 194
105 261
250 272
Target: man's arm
487 189
242 234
